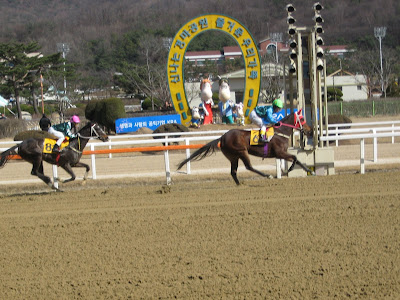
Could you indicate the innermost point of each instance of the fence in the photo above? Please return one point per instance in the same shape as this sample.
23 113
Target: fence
365 108
345 134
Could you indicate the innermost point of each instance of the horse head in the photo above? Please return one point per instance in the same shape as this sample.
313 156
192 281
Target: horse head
98 132
301 124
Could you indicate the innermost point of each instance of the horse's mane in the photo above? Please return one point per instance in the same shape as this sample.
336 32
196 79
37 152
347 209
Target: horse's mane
88 124
287 117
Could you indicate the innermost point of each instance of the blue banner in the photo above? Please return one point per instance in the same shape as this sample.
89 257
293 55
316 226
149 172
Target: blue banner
281 114
152 122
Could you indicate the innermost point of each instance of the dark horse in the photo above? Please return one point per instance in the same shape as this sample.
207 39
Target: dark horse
31 150
235 145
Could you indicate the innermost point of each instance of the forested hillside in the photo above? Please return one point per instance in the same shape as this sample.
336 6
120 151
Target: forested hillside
80 21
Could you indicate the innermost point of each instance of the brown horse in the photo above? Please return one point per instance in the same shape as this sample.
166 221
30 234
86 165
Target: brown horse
235 145
31 150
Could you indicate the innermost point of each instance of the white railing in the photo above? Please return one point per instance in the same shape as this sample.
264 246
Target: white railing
362 138
337 131
166 140
346 134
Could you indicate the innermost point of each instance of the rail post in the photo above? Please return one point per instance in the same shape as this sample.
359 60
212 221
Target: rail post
362 154
167 168
55 176
93 157
278 168
187 156
375 139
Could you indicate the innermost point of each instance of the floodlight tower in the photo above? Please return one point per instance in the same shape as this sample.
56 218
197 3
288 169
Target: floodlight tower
380 33
64 48
275 38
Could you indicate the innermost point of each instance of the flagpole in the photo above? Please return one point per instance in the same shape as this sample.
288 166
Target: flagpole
41 87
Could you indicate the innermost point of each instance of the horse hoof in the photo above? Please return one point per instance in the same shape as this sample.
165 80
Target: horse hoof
312 173
270 177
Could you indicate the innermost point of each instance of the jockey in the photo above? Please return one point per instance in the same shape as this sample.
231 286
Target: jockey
263 116
64 129
45 123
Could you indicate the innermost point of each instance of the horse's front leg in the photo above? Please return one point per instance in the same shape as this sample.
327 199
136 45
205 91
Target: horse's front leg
304 167
82 165
294 160
68 169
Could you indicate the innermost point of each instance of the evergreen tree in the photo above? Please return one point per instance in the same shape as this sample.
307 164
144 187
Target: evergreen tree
20 65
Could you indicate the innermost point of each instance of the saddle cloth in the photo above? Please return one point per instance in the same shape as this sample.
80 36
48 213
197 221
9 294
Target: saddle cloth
49 144
255 136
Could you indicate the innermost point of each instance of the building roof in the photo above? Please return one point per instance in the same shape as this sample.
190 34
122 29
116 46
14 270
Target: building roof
213 54
232 50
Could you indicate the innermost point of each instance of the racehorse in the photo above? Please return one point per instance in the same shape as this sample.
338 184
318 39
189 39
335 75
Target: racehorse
235 145
31 150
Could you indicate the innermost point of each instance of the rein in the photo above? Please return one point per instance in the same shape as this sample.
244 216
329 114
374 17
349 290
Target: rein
91 131
297 125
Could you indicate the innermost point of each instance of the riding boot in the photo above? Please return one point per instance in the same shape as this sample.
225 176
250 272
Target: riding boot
263 138
56 148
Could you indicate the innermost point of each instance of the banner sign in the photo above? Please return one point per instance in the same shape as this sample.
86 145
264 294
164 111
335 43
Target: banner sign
152 122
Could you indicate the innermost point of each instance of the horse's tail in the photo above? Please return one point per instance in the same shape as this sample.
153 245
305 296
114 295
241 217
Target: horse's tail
201 153
5 155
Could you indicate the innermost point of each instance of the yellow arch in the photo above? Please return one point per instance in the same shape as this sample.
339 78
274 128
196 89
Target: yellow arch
176 58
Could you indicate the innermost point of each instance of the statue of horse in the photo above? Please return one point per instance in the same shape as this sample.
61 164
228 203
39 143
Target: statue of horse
235 144
33 150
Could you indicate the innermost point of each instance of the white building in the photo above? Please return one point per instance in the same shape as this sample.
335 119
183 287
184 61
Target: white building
353 87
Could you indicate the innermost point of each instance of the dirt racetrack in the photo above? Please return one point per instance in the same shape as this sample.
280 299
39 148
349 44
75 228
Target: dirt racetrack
295 238
323 237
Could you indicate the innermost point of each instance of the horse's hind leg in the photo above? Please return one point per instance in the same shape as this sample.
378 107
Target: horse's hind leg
37 170
234 167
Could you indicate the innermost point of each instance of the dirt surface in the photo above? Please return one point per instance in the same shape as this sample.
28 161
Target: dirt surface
203 237
315 237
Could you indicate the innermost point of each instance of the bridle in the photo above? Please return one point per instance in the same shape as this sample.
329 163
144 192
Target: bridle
297 124
92 130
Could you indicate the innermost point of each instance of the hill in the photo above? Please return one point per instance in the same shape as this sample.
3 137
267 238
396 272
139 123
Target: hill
79 21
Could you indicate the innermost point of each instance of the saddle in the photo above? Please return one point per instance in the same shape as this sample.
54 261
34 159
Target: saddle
49 144
255 136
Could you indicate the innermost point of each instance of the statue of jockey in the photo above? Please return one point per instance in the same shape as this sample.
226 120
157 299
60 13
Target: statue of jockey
225 104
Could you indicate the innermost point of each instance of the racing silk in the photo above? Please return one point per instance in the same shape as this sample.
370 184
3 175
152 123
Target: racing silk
65 128
266 113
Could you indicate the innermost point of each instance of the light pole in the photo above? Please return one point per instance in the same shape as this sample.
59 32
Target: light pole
380 33
64 48
275 38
